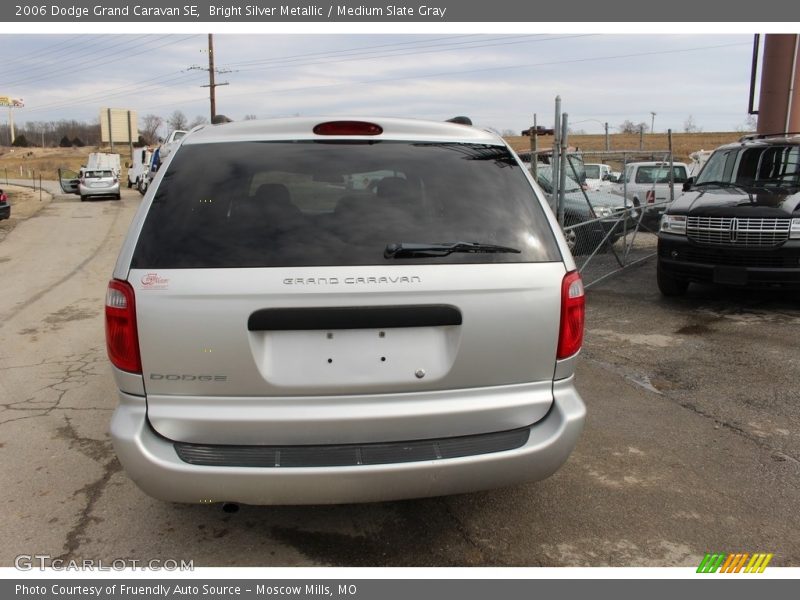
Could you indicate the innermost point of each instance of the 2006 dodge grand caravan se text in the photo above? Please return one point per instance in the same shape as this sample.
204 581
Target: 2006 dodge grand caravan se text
325 311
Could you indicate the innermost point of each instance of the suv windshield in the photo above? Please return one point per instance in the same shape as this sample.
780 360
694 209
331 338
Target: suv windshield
284 204
766 167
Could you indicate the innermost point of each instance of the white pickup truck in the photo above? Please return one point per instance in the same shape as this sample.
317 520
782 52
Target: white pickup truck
647 184
597 175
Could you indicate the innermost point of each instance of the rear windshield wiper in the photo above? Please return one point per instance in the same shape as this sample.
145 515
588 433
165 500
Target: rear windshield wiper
405 250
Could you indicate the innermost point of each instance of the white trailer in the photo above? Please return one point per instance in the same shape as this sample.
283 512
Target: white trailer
103 161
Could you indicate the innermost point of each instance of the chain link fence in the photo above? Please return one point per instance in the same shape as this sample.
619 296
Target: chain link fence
609 203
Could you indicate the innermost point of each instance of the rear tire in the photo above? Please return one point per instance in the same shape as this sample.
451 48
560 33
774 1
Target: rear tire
670 285
83 197
118 197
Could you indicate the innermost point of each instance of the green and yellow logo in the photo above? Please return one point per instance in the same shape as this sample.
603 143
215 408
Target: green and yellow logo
734 563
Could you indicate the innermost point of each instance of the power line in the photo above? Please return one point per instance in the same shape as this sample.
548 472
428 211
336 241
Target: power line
286 60
503 68
63 59
96 62
428 43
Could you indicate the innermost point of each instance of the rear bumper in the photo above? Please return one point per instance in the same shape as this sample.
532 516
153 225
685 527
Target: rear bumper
153 464
111 190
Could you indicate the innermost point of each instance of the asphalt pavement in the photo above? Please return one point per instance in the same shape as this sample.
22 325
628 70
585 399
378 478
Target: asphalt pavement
692 441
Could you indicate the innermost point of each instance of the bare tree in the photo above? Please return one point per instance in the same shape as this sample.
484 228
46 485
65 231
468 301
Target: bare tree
250 117
198 120
628 126
689 126
750 124
177 120
150 125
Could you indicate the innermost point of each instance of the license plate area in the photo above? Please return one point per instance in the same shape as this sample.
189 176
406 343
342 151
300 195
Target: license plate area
354 358
730 275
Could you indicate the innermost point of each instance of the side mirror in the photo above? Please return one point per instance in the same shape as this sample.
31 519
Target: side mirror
687 185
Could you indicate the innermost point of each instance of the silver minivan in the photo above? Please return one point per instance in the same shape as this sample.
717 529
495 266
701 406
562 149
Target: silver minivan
312 311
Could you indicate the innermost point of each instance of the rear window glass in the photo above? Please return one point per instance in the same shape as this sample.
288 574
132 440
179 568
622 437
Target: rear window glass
97 174
660 174
592 171
279 204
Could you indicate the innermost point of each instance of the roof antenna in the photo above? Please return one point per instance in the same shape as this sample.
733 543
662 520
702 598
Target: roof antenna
460 120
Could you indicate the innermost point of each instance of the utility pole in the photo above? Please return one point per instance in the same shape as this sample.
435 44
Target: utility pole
212 73
211 85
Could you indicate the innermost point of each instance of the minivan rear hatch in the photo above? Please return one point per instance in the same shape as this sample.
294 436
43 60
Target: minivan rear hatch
277 277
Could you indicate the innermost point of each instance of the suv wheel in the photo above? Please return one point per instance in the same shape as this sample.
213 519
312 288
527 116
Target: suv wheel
669 285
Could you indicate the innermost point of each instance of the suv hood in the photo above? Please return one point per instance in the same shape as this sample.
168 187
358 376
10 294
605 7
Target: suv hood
720 202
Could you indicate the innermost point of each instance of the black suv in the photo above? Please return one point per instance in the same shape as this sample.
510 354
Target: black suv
738 222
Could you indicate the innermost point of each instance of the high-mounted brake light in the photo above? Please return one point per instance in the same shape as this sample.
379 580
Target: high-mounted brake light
122 338
347 128
573 311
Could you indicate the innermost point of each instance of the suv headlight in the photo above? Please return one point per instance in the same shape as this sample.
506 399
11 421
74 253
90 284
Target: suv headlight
794 232
674 224
603 211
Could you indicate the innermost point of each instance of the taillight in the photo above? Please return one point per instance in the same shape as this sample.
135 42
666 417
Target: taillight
348 128
573 310
122 340
650 198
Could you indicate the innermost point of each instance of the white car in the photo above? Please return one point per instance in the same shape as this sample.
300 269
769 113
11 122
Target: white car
314 311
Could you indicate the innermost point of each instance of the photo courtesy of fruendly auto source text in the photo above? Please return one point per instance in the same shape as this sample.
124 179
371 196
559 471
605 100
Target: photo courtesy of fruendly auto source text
370 300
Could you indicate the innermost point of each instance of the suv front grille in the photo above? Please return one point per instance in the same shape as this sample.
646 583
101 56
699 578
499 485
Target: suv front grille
348 455
743 232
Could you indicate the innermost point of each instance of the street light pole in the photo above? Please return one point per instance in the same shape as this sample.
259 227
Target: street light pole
652 121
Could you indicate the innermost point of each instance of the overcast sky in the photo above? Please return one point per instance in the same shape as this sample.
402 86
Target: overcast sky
497 80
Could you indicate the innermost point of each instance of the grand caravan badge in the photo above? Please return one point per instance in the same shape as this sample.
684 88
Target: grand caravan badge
380 280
